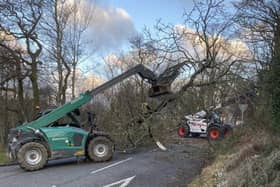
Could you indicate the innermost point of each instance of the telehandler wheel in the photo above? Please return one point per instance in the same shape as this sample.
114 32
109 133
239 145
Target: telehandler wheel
32 156
100 149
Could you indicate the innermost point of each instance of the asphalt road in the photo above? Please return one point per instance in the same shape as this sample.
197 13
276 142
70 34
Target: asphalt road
175 167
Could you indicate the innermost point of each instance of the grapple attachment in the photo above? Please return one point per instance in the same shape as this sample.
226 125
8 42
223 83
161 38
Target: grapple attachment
162 85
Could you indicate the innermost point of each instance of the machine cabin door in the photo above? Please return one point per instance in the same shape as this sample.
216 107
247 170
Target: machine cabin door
65 141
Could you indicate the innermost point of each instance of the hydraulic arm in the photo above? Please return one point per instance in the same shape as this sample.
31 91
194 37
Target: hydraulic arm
140 69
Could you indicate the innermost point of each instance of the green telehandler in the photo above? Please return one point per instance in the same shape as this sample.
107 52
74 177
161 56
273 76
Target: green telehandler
33 143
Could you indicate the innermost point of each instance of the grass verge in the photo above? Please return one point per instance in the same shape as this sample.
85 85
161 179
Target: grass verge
3 156
249 158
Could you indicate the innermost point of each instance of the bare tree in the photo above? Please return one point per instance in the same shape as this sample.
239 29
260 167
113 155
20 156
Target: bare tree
80 18
19 21
204 44
55 23
20 50
11 71
65 28
260 23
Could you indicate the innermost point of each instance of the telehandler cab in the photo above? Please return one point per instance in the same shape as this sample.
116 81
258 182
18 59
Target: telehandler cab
33 143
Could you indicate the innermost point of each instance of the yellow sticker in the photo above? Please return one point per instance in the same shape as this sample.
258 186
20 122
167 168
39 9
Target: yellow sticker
80 153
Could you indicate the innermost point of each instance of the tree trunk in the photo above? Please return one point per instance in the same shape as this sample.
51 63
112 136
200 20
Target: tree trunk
65 85
60 81
20 93
35 87
73 81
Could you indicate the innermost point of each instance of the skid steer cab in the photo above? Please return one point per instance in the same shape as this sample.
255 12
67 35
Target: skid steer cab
32 148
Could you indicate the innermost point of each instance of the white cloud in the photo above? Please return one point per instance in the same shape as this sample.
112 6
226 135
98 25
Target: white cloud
110 28
234 48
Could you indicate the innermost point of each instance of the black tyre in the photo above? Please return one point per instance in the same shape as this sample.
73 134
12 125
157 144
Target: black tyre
32 156
100 149
214 133
183 131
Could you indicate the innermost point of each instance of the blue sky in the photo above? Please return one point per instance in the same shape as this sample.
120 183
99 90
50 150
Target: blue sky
116 21
111 32
147 12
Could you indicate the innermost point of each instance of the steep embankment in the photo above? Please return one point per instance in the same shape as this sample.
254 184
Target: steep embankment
249 158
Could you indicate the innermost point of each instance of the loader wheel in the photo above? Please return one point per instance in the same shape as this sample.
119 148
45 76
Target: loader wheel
32 156
214 133
184 131
100 149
